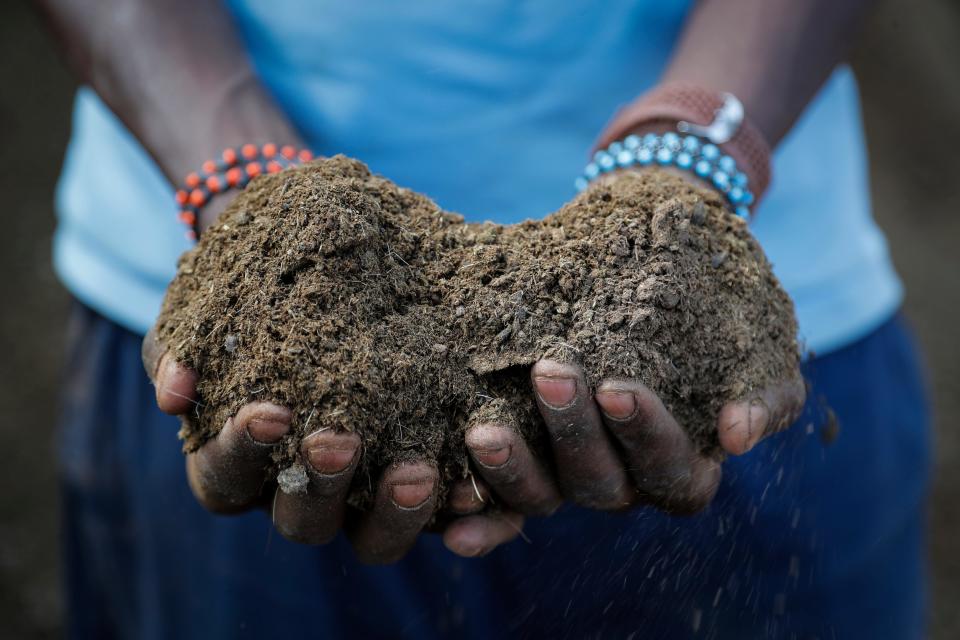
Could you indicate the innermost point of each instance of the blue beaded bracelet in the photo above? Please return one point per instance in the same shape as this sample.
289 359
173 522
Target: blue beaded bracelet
688 153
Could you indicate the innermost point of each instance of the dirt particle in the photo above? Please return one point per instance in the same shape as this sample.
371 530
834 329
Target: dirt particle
293 480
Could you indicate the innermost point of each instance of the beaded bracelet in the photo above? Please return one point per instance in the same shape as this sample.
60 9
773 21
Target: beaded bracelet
234 170
689 153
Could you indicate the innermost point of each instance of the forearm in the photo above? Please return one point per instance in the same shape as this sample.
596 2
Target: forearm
175 73
772 54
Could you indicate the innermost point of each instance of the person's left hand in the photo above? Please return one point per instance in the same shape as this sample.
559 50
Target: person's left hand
619 447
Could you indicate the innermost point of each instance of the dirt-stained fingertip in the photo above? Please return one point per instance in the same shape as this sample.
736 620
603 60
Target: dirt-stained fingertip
330 453
264 422
176 386
476 536
468 496
490 445
404 504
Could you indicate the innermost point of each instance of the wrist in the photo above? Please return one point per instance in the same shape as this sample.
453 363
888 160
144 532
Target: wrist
670 151
716 119
239 112
232 170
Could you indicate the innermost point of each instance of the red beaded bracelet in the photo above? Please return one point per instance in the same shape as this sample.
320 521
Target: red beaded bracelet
234 169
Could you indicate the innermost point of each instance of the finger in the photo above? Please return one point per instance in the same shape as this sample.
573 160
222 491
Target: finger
315 514
227 474
404 503
741 425
176 386
475 536
589 469
506 463
468 496
665 466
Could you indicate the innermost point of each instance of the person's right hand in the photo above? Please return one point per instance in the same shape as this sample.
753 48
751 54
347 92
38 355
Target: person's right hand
229 474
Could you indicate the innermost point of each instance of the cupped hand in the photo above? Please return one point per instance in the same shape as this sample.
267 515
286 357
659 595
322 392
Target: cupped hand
229 474
619 447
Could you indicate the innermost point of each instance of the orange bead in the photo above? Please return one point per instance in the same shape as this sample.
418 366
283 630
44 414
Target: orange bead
269 150
305 156
254 169
188 217
193 181
234 176
209 166
288 152
230 156
274 167
191 235
198 198
249 151
181 197
214 184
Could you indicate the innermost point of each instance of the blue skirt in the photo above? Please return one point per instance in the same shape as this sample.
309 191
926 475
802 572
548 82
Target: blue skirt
817 533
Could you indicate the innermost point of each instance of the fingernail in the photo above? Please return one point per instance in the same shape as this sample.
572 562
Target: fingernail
175 385
327 459
493 457
160 369
489 445
556 392
411 496
266 430
617 404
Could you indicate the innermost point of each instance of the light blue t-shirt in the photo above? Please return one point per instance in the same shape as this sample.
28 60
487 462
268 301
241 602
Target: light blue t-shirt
490 108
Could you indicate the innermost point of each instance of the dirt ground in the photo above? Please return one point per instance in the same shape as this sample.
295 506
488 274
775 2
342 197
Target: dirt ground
912 98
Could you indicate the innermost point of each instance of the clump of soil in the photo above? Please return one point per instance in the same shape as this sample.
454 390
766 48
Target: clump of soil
364 307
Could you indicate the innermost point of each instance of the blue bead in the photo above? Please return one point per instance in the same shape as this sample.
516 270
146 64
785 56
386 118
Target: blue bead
651 140
614 148
702 168
644 156
664 156
684 160
671 141
691 144
625 158
632 141
710 152
735 195
728 164
721 181
606 162
743 212
591 171
599 154
581 183
748 198
740 179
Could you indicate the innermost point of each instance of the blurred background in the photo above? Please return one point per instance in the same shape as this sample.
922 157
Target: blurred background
906 62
